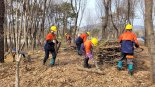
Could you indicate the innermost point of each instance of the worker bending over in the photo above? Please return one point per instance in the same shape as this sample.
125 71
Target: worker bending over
86 49
68 39
81 39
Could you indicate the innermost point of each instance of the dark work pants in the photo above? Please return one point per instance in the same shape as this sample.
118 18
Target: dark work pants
52 62
123 57
78 48
86 65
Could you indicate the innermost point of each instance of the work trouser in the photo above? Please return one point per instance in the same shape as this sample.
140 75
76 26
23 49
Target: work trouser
86 65
123 57
79 41
47 51
129 61
78 48
1 60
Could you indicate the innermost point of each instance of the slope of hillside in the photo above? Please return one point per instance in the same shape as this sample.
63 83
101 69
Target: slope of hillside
66 74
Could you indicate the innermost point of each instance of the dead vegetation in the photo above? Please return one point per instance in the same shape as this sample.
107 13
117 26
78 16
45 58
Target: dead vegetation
68 72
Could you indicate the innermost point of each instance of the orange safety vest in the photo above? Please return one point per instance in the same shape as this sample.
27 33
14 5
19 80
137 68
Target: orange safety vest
50 36
128 39
128 36
84 37
88 46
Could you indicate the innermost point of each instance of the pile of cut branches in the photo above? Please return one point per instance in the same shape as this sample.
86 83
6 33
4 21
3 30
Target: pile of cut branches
108 53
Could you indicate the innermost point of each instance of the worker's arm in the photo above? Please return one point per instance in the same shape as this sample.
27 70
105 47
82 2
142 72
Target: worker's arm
55 45
136 41
84 38
55 42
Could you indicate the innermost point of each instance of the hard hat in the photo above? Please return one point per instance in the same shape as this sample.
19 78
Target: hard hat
53 28
65 33
94 41
128 27
88 33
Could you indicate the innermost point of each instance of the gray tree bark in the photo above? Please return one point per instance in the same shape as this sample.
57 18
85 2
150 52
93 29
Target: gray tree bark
150 32
2 11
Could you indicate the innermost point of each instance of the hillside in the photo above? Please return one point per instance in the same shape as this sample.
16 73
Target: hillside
66 73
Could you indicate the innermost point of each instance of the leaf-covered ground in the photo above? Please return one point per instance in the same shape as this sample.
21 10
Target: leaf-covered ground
66 74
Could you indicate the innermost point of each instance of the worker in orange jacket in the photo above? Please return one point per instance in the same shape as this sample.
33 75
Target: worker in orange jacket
81 39
127 40
68 39
50 46
86 49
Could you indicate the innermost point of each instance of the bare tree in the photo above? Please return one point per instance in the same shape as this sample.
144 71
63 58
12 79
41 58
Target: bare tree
2 11
77 7
150 31
105 19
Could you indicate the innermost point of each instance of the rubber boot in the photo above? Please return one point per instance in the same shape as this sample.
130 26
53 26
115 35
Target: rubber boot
79 53
130 69
119 65
86 65
52 62
44 61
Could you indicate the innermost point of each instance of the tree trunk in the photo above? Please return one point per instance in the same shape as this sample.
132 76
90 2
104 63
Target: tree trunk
43 19
129 9
2 11
75 27
106 18
146 36
65 24
150 32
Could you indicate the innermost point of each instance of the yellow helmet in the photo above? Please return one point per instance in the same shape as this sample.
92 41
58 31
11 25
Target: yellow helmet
53 28
128 27
88 33
94 41
65 33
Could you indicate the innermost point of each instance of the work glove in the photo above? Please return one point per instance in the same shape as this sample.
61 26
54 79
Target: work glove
54 41
89 55
136 45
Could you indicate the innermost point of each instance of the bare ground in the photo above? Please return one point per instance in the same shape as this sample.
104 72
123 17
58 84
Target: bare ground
66 73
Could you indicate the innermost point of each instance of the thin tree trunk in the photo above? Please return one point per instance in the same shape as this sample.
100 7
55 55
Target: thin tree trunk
105 18
17 49
2 12
65 24
75 27
129 9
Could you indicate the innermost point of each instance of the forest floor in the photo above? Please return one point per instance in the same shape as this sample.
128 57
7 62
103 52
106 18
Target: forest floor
66 73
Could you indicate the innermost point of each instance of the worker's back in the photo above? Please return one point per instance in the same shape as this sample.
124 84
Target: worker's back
128 40
88 46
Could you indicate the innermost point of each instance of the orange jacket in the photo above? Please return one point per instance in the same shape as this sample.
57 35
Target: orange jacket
88 46
50 36
84 37
128 40
128 36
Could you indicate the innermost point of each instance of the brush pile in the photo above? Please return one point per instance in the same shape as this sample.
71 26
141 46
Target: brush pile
108 53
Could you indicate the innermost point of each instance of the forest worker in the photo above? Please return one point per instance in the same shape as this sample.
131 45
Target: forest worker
86 49
81 39
68 39
50 46
127 40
